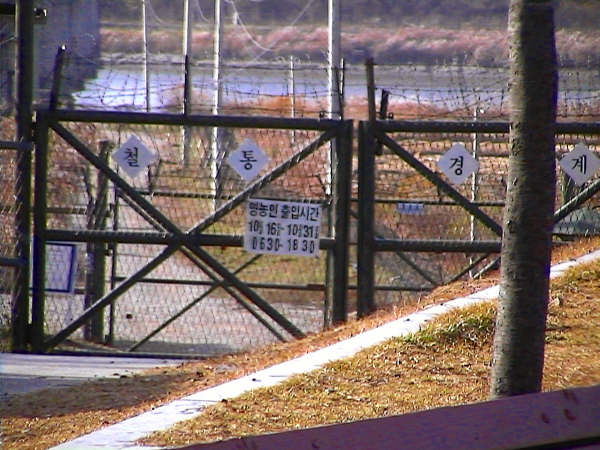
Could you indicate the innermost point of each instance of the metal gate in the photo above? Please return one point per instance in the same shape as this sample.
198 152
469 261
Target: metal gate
417 230
161 268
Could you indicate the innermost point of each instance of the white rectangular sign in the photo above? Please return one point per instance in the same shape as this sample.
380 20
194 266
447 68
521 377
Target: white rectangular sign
282 228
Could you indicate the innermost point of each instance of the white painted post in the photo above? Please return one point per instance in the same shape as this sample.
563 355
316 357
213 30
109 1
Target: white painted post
334 57
145 38
217 99
187 83
333 70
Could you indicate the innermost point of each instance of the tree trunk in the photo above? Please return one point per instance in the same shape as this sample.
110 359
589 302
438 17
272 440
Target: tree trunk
518 357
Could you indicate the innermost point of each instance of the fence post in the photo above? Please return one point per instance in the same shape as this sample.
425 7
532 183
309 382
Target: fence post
336 293
343 192
366 218
39 232
97 215
25 82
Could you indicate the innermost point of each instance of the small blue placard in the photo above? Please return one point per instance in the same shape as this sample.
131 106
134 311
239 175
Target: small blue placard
61 266
410 208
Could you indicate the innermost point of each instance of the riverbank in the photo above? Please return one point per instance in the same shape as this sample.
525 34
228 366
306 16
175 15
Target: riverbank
387 45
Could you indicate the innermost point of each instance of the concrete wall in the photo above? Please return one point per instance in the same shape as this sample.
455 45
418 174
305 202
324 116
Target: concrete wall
74 23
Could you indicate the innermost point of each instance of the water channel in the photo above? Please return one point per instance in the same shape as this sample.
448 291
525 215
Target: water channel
123 86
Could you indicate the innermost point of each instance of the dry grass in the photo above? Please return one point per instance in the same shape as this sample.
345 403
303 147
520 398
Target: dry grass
446 363
46 418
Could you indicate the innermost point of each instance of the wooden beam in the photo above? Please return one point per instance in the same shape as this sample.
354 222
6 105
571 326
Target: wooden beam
569 417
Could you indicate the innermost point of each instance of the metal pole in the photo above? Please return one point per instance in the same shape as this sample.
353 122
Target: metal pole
292 94
333 58
217 99
24 112
59 61
146 37
474 183
114 249
96 251
187 85
39 227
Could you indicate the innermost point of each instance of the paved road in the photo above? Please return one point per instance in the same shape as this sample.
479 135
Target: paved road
26 373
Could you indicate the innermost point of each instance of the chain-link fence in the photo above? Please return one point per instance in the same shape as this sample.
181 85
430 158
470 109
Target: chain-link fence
8 243
431 228
14 244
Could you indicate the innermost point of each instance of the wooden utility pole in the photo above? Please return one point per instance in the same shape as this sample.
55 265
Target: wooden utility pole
518 355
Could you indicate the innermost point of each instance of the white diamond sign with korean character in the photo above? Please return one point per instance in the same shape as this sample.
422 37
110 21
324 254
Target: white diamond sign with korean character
580 164
282 228
458 164
133 156
248 159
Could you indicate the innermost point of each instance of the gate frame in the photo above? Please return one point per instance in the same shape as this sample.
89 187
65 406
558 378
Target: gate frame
372 135
172 236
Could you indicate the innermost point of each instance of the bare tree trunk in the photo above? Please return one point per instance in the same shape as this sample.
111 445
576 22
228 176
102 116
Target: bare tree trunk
518 357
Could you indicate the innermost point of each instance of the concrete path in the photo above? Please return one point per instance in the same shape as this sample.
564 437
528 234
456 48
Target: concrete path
124 434
22 373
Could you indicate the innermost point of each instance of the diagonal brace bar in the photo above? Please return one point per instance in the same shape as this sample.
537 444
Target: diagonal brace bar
216 283
197 300
436 180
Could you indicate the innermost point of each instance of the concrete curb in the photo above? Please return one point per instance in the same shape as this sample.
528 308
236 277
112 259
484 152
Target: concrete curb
123 435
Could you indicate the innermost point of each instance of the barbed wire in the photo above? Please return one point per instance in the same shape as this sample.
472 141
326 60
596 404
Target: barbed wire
267 84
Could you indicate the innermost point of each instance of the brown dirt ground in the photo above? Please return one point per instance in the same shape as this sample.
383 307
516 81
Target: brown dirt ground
50 417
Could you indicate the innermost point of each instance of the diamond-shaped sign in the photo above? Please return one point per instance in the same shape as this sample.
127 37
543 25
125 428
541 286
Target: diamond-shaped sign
248 159
133 156
458 164
580 164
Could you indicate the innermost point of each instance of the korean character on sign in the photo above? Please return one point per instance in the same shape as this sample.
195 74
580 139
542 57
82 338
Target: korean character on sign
248 159
302 212
580 164
131 156
457 165
263 210
273 210
295 211
313 215
253 207
285 211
